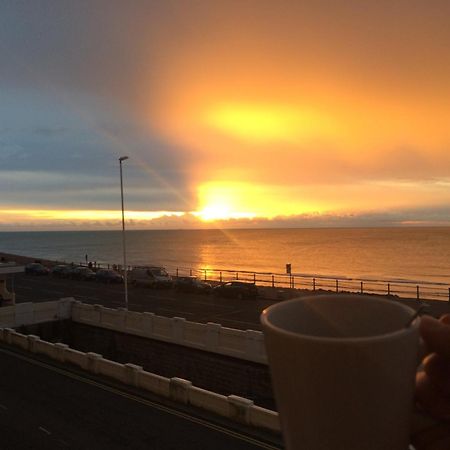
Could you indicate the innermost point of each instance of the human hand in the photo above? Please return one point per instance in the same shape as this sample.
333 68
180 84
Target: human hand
433 385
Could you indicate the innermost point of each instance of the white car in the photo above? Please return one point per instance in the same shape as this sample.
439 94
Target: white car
150 276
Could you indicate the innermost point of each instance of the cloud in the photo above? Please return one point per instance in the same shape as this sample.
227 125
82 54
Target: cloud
84 83
49 132
408 217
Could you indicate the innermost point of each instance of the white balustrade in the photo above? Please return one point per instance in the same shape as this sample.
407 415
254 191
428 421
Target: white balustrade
178 389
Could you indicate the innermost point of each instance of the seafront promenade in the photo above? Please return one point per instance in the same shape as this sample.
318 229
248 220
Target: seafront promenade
235 313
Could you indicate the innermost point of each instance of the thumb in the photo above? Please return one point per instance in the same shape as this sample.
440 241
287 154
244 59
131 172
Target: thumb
436 335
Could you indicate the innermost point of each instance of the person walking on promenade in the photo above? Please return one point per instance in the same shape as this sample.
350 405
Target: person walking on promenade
433 384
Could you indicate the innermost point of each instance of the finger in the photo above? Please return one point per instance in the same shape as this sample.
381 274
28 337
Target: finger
438 370
436 335
430 398
445 319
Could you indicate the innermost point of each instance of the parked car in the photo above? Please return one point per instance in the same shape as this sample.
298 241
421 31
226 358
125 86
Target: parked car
36 269
192 285
150 276
108 276
82 273
60 270
236 289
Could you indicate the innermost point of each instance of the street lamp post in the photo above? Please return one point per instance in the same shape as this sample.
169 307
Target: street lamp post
121 159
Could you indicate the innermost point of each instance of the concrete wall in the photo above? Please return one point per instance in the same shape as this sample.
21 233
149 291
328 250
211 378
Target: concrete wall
212 337
212 371
214 358
30 313
178 389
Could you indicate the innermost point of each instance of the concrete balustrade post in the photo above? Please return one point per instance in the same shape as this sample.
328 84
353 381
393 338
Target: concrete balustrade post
179 389
61 351
123 313
132 372
212 336
65 306
239 408
97 313
92 362
76 308
7 335
253 341
32 342
178 324
147 323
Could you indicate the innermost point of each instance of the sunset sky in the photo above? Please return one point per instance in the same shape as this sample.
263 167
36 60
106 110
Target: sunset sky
233 113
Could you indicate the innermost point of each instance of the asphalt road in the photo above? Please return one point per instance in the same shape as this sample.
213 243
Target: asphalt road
43 406
234 313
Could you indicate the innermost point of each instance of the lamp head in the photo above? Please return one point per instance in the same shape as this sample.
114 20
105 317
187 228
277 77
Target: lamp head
123 158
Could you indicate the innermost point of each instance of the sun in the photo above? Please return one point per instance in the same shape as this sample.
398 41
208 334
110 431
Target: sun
225 200
221 201
222 212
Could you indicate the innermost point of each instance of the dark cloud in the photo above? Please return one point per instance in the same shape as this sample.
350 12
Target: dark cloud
49 132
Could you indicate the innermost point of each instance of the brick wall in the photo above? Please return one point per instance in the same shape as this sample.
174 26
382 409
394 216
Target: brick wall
218 373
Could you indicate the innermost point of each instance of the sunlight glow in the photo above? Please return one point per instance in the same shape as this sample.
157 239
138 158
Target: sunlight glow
219 201
268 123
239 200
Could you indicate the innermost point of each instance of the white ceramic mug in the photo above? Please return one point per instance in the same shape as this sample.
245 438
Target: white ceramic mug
343 370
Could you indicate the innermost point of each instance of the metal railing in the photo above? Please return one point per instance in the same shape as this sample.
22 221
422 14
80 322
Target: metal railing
420 290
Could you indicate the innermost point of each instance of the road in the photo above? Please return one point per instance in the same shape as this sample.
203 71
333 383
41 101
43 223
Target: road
43 406
234 313
229 312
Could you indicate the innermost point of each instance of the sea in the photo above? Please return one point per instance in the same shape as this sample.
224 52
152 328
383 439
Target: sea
414 254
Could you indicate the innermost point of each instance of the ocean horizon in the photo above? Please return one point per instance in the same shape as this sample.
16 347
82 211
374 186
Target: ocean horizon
400 253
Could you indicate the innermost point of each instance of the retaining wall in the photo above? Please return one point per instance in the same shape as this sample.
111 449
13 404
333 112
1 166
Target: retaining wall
211 337
30 313
212 371
178 389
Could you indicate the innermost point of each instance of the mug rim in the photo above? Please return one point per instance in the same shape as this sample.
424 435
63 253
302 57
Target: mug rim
268 325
